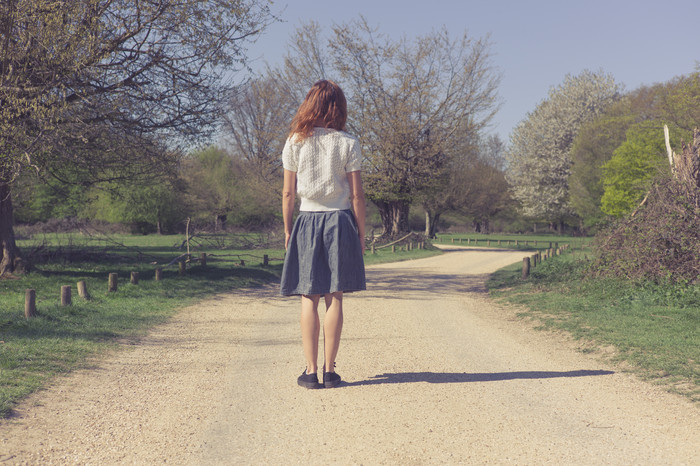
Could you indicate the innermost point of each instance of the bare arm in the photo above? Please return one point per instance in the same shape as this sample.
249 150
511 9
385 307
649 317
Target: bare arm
357 195
288 197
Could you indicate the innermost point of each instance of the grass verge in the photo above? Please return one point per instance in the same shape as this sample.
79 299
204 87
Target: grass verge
652 330
61 339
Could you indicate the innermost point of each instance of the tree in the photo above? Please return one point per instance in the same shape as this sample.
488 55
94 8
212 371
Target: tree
256 126
145 208
474 184
211 185
411 99
592 148
640 159
675 103
539 159
100 85
407 102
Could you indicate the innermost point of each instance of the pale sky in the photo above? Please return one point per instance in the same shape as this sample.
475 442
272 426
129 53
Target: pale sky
535 44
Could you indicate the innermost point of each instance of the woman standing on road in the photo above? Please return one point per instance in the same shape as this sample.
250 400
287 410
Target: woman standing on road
325 247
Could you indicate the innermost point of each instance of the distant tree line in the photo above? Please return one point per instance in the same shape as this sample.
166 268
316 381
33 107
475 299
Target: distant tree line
588 153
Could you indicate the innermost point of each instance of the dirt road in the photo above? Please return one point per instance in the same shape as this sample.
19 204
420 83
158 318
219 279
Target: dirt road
434 373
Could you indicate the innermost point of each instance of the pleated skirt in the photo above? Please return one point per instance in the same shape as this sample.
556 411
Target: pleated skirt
324 255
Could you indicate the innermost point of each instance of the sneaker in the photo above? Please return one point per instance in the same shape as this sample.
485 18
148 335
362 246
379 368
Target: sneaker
308 380
330 379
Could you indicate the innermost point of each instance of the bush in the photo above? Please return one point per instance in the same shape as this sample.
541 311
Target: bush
660 241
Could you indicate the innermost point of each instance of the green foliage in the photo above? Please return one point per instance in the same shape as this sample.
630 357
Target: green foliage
145 207
593 146
38 201
675 103
211 183
626 176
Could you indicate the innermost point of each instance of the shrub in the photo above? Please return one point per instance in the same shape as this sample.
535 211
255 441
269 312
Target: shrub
660 241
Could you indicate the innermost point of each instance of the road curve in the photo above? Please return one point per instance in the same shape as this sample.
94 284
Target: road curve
434 373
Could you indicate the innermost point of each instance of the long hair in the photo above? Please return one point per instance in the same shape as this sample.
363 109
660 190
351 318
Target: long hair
324 105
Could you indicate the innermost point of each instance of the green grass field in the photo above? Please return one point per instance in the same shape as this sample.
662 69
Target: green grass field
652 330
61 339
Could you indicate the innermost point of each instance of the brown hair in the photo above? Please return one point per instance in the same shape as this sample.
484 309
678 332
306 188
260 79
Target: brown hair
324 105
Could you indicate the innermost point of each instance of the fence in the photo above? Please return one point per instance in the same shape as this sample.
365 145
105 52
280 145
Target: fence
182 260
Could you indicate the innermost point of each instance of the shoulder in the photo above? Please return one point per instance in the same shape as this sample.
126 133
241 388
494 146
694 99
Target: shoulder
294 140
348 137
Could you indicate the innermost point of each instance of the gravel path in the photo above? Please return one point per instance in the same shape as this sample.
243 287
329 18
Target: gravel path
434 373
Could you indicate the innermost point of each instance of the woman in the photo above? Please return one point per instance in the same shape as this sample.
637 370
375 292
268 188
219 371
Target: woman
325 247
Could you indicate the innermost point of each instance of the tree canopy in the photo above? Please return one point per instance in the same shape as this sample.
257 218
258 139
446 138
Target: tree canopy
111 87
539 159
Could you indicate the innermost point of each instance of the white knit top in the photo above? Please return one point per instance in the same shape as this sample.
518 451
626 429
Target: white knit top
321 163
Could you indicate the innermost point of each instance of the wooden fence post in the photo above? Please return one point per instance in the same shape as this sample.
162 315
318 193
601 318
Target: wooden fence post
134 278
266 258
65 295
30 304
533 260
113 282
203 259
182 267
526 267
393 248
82 290
372 249
159 274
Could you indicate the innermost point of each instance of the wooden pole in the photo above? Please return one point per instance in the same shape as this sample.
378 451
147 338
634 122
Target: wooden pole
134 278
82 290
159 274
203 259
182 268
65 295
526 267
266 258
113 282
393 248
30 304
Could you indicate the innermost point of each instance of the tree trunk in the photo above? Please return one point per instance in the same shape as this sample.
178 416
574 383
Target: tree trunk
220 222
431 222
10 256
394 215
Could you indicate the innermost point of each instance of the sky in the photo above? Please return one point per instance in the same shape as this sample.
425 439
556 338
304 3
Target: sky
534 44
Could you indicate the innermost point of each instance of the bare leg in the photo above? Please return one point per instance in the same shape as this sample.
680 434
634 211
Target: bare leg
332 328
310 327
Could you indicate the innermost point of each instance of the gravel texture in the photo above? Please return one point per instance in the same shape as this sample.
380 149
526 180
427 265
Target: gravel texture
434 373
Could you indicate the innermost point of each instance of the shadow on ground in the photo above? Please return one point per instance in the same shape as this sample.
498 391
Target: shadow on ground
420 284
465 377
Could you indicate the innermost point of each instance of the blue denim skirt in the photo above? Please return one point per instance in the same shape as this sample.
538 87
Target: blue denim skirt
324 255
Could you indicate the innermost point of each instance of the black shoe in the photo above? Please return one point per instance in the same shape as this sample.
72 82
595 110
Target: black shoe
308 380
331 379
